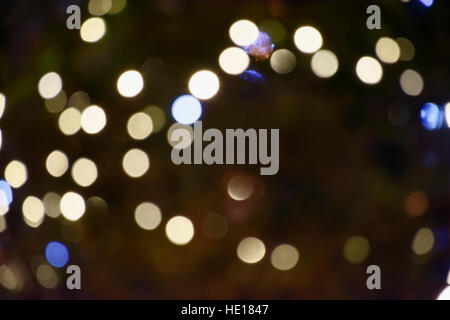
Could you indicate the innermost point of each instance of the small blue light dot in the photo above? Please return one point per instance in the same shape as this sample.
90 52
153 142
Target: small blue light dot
57 254
431 116
427 3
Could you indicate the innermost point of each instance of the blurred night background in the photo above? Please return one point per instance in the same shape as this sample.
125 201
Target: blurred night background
364 156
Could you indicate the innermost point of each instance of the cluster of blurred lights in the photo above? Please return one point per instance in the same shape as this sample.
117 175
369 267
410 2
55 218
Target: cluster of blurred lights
186 109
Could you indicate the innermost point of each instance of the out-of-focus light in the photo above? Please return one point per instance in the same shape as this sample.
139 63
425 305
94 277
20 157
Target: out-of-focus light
445 294
16 174
130 83
324 63
204 84
427 3
431 116
140 126
179 230
251 250
46 276
57 163
147 216
79 100
33 211
240 187
407 49
93 29
387 50
284 257
252 76
99 7
411 82
275 29
283 61
234 60
51 204
448 277
93 119
135 163
356 249
215 226
416 203
57 103
84 172
447 113
158 117
6 191
50 85
57 254
423 241
177 132
72 206
2 104
8 279
117 6
69 121
2 224
243 32
369 70
186 109
308 39
262 48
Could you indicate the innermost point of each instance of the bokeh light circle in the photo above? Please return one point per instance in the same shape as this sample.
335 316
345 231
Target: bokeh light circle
57 254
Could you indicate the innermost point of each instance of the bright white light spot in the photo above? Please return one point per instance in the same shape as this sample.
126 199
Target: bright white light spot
179 230
33 211
445 294
84 172
234 60
50 85
72 206
308 39
16 174
135 163
204 84
93 119
387 50
324 64
93 29
186 109
243 32
57 163
369 70
2 104
69 121
147 216
130 83
140 126
251 250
